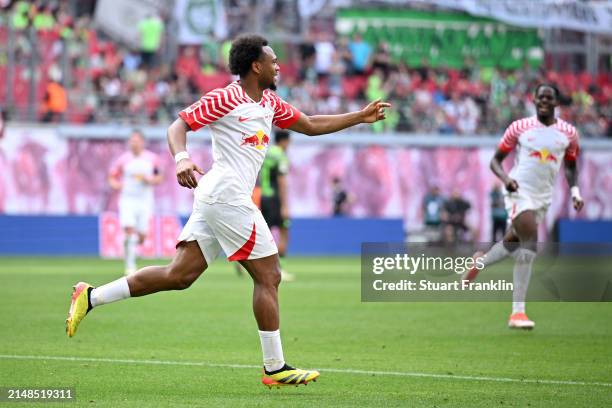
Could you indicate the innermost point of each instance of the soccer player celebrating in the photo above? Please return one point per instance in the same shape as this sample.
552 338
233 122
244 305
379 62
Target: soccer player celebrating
273 188
541 142
240 118
135 173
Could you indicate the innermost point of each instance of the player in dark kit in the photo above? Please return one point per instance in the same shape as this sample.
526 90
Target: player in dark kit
273 189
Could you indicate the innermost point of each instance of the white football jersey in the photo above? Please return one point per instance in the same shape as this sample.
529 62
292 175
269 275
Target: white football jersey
240 129
132 170
540 151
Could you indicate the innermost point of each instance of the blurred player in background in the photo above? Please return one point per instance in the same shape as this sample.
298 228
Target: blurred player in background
240 117
134 174
273 189
541 142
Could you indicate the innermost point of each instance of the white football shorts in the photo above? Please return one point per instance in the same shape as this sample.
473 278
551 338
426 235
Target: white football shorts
239 230
135 213
518 202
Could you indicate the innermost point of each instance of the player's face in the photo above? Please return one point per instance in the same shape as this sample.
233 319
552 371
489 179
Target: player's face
136 143
269 68
546 101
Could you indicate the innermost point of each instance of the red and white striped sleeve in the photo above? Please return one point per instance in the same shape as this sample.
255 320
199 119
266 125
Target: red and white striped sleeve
209 108
285 114
571 153
511 135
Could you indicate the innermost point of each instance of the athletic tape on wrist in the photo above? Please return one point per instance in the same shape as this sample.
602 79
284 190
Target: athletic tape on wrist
180 156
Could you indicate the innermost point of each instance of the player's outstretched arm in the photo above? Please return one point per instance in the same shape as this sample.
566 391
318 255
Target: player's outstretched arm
498 170
323 124
177 141
571 174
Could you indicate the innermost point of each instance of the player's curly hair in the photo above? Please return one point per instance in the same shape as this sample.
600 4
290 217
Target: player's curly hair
548 85
245 50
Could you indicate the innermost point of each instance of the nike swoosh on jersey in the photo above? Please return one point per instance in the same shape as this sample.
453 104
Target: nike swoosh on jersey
241 119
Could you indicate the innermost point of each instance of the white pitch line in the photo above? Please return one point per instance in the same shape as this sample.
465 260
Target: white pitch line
331 370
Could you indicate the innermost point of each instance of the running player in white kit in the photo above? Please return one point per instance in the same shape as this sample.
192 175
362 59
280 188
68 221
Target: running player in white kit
134 174
240 118
541 143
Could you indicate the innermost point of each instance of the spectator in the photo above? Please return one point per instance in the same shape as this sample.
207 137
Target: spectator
360 52
43 19
20 15
324 55
467 116
150 29
55 101
381 59
499 216
337 69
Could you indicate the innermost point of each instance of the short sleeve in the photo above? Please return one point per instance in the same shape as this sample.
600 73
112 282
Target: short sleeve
116 169
208 109
510 138
285 114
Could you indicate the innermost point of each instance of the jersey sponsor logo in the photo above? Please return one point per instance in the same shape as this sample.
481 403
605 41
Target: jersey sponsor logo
243 119
259 140
543 155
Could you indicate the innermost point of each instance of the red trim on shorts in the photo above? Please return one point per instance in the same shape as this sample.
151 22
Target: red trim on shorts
244 252
513 213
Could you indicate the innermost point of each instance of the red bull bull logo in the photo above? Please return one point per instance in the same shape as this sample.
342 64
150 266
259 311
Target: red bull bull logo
543 155
259 140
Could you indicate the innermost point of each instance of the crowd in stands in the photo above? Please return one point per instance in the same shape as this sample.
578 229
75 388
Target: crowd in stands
104 81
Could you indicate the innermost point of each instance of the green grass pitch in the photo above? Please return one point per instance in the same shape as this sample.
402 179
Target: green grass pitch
200 347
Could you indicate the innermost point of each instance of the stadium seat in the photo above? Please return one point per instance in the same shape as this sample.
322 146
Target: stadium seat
353 86
207 83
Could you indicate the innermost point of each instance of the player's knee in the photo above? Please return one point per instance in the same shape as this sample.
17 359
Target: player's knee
271 278
179 279
275 276
529 234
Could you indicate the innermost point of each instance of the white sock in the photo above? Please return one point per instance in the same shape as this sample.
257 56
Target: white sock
495 254
131 241
111 292
272 350
522 274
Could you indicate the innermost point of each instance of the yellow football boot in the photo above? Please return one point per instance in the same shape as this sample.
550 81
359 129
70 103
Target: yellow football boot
79 307
288 376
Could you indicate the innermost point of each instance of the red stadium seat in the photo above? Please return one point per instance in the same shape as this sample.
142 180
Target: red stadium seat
207 83
353 86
